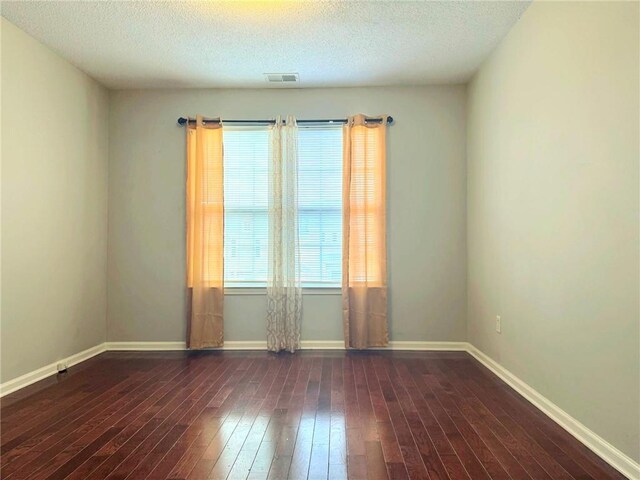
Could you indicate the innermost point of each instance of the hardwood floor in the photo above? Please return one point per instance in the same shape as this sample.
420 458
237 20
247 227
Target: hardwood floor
316 415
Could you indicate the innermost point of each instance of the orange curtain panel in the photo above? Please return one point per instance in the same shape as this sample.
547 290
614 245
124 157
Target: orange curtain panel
364 246
205 234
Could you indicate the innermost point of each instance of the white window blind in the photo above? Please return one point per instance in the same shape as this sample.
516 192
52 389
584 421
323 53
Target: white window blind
246 169
320 205
246 205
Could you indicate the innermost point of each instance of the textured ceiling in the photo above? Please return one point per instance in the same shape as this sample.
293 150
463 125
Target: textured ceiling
139 44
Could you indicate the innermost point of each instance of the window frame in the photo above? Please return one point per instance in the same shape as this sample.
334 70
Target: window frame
310 288
233 286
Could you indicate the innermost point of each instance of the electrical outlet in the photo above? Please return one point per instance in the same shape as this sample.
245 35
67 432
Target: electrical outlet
498 324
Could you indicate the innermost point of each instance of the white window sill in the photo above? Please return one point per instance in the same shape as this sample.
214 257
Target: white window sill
263 291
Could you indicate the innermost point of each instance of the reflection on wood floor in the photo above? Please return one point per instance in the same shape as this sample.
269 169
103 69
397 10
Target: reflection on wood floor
317 415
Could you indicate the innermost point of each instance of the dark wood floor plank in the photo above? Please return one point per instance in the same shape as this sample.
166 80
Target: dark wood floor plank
517 416
536 427
319 464
165 466
355 440
337 440
409 402
319 461
386 433
593 465
573 456
84 429
462 449
240 404
473 408
497 460
131 440
239 453
338 471
141 421
68 447
542 457
36 398
42 427
63 400
241 408
230 404
302 449
313 415
441 389
416 468
305 420
357 467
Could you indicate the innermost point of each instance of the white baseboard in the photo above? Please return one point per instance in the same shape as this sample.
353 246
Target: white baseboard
173 346
610 454
397 345
304 345
322 344
427 346
48 370
145 346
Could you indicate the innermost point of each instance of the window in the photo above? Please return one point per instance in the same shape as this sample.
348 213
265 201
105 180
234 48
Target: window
320 205
246 206
246 185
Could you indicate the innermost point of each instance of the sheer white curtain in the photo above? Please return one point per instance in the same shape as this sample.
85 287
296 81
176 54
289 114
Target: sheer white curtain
284 291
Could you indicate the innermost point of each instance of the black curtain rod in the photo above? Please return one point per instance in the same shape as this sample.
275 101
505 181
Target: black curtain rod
182 121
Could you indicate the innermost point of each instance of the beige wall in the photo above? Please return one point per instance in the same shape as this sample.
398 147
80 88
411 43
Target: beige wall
426 199
553 215
54 206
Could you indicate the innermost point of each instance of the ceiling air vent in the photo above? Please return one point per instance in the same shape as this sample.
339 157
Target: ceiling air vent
281 77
